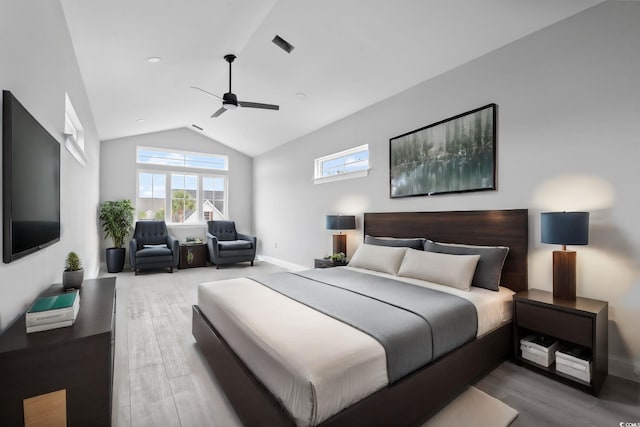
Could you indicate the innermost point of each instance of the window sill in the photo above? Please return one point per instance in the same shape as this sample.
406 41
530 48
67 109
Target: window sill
341 177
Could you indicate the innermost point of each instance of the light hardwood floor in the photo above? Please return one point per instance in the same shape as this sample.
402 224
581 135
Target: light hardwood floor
160 378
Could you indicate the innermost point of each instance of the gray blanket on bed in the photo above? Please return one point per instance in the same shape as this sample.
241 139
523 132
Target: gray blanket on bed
414 324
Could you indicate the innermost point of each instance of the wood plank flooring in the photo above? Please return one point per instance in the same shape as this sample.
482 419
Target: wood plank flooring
160 378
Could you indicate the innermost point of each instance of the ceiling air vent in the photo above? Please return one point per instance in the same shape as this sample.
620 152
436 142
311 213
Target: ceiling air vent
283 44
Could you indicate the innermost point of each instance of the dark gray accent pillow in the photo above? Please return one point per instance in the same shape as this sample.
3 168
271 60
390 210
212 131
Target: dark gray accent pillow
414 243
489 268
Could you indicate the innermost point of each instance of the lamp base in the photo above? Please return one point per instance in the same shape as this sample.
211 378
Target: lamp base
340 244
564 275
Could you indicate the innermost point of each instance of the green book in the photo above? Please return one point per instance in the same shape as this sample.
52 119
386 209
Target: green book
54 302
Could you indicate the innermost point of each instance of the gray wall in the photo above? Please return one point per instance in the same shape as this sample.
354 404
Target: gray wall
118 173
39 66
569 126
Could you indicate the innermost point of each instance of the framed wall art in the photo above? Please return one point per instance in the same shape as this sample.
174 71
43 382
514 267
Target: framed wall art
454 155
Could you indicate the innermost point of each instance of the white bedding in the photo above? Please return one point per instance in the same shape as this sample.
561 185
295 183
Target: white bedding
315 365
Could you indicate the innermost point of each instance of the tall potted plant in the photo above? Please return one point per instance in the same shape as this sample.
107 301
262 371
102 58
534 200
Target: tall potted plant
117 223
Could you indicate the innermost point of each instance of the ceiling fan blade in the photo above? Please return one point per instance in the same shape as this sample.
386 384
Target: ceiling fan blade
206 91
220 111
247 104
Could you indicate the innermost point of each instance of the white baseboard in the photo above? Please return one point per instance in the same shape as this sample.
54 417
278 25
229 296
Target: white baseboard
281 263
624 368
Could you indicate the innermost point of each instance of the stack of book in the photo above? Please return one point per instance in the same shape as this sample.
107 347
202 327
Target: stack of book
539 349
53 312
575 361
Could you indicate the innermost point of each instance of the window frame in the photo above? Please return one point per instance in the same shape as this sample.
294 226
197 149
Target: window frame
73 132
169 170
318 163
169 151
168 193
153 172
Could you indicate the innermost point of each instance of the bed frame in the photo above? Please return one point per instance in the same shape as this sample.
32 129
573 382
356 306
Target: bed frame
417 397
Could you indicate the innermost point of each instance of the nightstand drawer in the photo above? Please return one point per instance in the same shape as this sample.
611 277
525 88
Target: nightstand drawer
564 326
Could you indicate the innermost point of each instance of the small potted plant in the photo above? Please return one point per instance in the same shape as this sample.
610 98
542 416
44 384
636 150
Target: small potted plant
73 274
117 223
339 259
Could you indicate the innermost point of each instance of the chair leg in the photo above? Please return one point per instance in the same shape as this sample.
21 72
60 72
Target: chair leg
135 271
217 266
251 263
170 269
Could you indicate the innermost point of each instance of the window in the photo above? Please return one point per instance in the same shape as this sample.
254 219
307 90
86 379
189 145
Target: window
151 195
346 164
73 132
184 194
214 200
184 159
194 196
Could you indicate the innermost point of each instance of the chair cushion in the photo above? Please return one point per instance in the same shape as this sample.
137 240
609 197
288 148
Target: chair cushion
150 232
246 254
153 252
223 230
234 245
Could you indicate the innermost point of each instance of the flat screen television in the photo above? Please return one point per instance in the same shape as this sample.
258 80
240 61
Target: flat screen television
30 182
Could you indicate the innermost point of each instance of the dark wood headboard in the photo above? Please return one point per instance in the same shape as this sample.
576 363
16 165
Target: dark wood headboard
492 228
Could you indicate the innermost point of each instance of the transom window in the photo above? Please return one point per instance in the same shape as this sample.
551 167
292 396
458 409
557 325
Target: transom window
346 164
178 194
185 159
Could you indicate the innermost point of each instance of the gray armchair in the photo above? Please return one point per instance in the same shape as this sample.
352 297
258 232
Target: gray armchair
152 247
226 246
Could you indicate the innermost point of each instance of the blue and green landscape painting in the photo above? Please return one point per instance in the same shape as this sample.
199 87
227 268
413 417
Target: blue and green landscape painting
454 156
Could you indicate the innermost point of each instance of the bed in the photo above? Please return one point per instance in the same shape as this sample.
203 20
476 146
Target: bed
414 397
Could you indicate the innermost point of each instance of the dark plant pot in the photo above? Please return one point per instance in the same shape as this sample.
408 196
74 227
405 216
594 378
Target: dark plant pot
72 279
115 260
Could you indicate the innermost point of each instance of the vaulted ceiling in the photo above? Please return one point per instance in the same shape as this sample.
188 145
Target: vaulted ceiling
348 55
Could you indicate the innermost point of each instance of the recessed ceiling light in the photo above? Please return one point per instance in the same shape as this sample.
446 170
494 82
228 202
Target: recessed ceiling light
140 120
154 59
301 96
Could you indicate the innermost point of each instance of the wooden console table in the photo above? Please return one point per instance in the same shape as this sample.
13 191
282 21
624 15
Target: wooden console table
73 364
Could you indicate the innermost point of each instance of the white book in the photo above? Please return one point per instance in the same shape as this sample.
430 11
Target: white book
49 326
53 316
574 365
540 343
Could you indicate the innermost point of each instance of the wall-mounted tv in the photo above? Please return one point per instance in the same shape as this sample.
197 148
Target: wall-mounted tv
30 182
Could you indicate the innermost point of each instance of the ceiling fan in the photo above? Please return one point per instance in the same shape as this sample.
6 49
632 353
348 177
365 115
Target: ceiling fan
230 100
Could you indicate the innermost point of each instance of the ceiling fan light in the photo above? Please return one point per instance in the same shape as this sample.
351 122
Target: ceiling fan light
229 106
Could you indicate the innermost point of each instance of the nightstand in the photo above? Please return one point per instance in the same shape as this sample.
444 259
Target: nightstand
193 255
582 322
327 263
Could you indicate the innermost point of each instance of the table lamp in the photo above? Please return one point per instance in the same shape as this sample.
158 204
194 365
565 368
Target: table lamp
565 228
340 222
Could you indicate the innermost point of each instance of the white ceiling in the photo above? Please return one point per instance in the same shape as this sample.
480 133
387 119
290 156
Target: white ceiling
348 55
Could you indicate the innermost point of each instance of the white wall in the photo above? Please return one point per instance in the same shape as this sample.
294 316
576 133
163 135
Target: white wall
118 173
568 139
38 67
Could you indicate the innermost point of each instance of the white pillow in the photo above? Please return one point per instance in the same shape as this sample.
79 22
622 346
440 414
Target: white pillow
385 259
450 270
